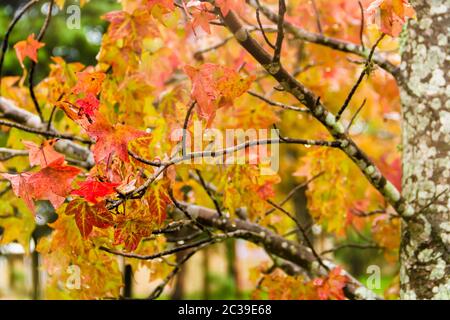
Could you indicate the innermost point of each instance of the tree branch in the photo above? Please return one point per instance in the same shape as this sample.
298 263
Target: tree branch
319 111
332 43
10 111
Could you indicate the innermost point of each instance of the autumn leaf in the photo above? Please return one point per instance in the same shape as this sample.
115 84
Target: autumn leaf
88 105
201 18
28 48
131 228
89 82
215 86
87 216
331 287
53 183
392 13
21 187
227 5
111 139
132 27
43 154
93 191
157 200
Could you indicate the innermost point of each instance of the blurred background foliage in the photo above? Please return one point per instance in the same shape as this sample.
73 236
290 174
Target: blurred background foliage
81 45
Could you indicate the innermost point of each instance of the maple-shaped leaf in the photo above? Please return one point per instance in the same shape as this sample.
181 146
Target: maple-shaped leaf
392 15
28 48
53 183
157 200
201 18
215 86
88 105
93 190
227 5
87 216
111 139
130 229
43 154
89 82
331 287
21 187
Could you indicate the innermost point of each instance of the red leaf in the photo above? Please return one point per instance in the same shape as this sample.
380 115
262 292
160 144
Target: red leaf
111 139
28 48
331 287
88 105
53 183
87 216
44 154
93 191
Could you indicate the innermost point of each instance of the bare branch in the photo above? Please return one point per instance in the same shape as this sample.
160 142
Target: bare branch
33 64
10 111
280 33
10 28
277 104
366 71
332 43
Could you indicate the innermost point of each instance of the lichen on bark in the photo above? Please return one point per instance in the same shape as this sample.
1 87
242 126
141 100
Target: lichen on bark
425 265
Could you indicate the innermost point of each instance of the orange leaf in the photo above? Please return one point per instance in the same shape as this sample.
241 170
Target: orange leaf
202 17
215 86
111 139
28 48
89 82
44 154
21 187
392 14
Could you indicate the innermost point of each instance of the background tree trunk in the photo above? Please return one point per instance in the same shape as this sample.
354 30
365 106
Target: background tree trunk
425 250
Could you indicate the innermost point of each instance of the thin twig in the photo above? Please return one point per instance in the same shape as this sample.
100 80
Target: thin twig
294 190
10 28
258 19
361 30
185 125
33 64
303 231
351 245
364 72
355 115
280 34
210 195
44 133
186 213
317 13
277 104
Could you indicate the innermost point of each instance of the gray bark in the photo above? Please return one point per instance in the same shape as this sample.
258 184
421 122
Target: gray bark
424 272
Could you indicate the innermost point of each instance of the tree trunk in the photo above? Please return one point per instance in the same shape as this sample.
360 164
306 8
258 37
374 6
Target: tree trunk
424 256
